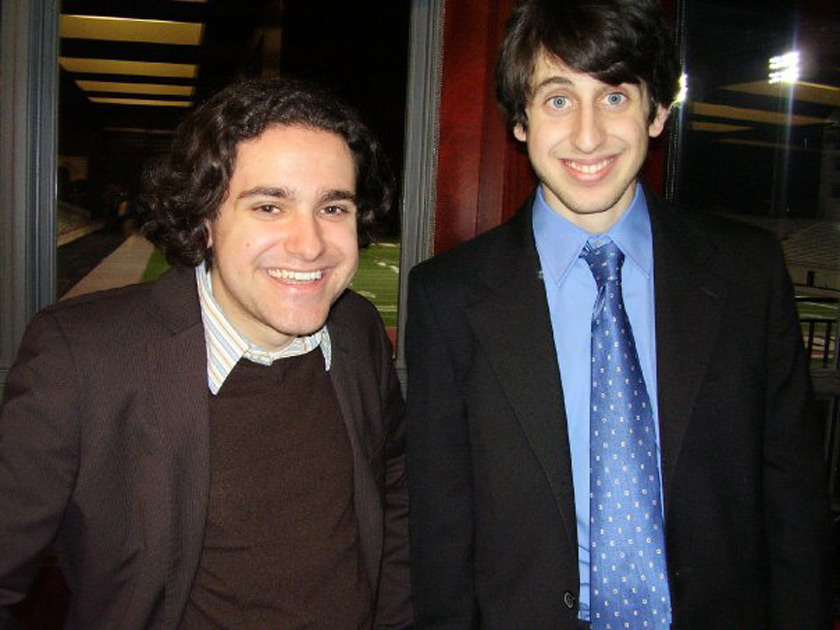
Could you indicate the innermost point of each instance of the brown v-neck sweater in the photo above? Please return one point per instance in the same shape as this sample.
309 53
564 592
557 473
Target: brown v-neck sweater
281 549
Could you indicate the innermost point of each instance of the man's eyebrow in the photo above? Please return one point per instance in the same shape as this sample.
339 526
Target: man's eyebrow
338 194
268 191
283 192
551 81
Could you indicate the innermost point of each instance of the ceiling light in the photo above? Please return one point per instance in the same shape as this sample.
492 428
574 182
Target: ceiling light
784 68
135 88
713 127
140 130
754 115
803 91
135 68
131 30
140 101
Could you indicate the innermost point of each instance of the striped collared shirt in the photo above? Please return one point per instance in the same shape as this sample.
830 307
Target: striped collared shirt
226 345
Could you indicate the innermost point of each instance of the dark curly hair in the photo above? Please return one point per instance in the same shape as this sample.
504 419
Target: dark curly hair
615 41
188 184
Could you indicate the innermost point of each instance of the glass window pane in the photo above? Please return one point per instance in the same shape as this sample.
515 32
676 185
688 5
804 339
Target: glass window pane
760 137
127 79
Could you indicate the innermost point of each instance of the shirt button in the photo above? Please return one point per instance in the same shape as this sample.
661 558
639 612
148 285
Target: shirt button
569 599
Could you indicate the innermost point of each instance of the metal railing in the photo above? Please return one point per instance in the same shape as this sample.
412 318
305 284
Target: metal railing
820 339
819 334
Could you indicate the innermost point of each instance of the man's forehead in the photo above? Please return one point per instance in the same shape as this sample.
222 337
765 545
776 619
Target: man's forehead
279 141
549 69
273 128
288 161
274 140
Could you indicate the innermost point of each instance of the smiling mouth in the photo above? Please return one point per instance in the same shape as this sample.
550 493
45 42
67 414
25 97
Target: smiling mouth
296 277
589 169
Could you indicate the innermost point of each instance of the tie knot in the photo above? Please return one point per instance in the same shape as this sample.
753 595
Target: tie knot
604 261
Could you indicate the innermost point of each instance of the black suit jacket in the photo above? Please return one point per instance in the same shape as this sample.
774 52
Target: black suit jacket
492 514
104 447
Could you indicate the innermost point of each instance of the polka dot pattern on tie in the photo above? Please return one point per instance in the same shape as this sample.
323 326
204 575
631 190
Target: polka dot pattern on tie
628 574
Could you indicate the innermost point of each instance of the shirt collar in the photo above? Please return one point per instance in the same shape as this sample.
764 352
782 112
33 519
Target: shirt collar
226 345
560 242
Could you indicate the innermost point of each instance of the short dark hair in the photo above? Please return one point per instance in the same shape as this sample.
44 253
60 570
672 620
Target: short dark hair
188 185
615 41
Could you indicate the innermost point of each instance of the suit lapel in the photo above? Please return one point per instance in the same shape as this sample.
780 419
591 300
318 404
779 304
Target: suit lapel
178 375
511 321
689 301
346 383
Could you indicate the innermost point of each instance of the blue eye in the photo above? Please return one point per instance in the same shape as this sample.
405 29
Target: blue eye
558 102
615 98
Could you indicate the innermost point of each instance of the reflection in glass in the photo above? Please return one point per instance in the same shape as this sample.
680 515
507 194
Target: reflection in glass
128 77
759 138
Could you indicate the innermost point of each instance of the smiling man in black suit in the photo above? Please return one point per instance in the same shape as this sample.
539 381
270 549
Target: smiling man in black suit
608 402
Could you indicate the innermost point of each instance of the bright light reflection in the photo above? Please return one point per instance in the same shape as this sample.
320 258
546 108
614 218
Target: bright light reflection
784 68
683 93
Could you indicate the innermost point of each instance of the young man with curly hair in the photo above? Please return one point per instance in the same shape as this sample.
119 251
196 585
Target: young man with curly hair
222 447
607 412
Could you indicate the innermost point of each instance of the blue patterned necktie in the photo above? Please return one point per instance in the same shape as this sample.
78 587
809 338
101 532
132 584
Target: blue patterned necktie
628 575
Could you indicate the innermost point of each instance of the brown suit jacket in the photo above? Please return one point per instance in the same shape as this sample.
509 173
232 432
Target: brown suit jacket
104 453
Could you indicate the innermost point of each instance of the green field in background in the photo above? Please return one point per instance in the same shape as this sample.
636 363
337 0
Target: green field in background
378 277
155 268
810 309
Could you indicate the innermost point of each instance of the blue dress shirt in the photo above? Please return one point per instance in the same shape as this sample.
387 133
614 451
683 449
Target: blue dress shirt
571 291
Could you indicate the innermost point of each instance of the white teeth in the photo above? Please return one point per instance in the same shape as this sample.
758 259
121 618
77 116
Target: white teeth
588 169
295 276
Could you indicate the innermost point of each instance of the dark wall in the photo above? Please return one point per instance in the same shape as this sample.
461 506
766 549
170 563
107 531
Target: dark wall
360 49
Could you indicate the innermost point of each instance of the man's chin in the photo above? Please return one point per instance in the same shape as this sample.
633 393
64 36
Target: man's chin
302 327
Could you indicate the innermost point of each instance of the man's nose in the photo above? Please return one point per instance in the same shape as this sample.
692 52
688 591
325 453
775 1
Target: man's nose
589 133
305 239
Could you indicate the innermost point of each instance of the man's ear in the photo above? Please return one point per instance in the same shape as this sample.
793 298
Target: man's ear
519 132
658 123
208 224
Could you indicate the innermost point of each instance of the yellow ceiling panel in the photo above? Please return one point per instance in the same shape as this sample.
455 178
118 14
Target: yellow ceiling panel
134 68
140 101
135 88
131 30
800 91
764 144
713 127
753 115
157 132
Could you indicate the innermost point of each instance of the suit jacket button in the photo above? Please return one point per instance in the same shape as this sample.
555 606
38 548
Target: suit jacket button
569 599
